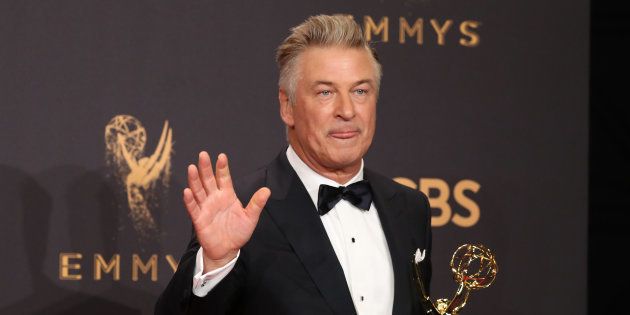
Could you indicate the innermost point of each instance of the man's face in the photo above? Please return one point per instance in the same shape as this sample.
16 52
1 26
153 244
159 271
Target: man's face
332 122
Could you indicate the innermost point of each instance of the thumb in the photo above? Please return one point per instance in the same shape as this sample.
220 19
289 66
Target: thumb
257 203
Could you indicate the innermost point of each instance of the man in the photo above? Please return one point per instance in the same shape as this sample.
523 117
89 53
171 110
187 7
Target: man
304 244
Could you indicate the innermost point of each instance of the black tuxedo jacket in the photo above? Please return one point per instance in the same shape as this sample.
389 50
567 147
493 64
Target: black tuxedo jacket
289 265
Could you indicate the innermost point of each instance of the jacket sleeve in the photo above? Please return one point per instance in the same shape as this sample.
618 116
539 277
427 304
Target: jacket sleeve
178 297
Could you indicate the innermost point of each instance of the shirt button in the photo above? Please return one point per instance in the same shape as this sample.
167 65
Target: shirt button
362 298
353 240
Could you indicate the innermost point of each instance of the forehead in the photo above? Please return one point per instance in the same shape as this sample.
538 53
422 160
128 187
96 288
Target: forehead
336 64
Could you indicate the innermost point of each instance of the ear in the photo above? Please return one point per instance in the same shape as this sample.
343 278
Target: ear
286 109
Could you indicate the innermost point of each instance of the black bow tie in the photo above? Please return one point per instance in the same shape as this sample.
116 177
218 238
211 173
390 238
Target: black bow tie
359 194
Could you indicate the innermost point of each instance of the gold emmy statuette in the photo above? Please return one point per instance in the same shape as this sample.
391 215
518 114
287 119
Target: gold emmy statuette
474 267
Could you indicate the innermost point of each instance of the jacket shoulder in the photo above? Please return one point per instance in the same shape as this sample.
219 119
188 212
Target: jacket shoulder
410 194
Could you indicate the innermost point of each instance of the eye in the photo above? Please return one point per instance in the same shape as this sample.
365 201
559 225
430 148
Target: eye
325 93
360 91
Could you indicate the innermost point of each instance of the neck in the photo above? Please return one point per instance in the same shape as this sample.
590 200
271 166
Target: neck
340 175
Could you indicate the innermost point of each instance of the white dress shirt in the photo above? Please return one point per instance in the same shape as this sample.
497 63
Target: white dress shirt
357 238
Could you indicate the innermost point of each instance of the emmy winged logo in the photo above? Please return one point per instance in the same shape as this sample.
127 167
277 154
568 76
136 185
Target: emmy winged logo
140 176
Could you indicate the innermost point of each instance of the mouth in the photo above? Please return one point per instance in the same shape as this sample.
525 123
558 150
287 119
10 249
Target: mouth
344 134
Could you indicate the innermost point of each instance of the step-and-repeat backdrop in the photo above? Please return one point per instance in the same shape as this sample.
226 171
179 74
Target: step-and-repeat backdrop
483 107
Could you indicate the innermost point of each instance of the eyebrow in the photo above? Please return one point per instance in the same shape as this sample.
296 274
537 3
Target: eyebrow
369 81
322 82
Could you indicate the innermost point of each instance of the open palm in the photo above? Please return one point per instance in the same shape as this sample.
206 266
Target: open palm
221 223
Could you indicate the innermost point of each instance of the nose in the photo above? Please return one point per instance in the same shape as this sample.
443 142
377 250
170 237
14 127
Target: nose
344 107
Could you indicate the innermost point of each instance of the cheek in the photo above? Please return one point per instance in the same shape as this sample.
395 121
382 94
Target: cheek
315 123
312 131
369 119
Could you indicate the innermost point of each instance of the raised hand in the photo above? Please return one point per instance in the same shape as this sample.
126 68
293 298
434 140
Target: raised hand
221 223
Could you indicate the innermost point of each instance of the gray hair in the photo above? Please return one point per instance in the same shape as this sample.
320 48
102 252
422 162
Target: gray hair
324 31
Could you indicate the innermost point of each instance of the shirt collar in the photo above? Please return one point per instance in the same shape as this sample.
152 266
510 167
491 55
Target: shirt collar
312 179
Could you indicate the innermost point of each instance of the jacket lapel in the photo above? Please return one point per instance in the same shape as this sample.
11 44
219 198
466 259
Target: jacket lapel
389 205
292 210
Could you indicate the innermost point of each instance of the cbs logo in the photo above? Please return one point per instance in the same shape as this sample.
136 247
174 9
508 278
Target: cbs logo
439 193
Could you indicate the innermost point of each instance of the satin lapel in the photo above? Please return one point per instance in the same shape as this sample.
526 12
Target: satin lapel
292 210
389 205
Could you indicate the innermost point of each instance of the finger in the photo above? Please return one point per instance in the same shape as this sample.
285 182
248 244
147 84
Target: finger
257 203
195 184
191 204
207 175
224 180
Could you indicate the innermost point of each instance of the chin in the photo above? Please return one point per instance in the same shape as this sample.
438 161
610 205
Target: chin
343 158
